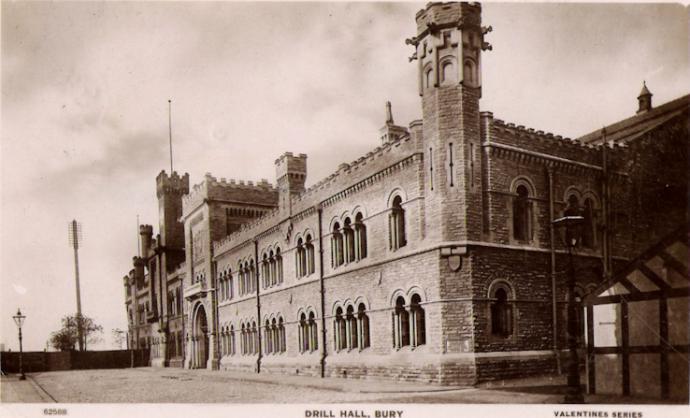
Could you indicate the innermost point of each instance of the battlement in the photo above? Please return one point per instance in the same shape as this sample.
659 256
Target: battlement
539 135
146 230
347 168
437 14
247 231
172 184
262 192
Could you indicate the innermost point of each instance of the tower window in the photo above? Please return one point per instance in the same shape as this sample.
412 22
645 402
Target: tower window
448 74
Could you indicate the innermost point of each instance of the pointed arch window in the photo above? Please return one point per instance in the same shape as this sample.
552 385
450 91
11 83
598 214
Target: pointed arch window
268 338
396 225
232 340
265 271
279 267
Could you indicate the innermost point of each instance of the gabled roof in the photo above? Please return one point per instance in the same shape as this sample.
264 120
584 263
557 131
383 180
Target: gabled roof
662 269
631 128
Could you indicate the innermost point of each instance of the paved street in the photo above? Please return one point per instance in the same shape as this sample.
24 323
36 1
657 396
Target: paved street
153 385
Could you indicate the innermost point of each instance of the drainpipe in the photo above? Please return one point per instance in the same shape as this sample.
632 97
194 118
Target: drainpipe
319 210
605 205
258 303
552 244
216 309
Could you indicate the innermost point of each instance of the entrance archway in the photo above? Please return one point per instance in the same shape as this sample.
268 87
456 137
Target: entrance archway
200 338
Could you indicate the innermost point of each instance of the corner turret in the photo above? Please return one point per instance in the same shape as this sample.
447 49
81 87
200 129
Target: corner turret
291 174
390 132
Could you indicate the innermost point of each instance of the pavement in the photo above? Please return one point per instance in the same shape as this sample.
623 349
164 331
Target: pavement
172 385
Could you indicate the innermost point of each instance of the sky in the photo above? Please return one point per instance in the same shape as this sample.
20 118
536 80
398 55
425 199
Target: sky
85 124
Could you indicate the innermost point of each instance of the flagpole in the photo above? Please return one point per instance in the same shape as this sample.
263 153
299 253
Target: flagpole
170 133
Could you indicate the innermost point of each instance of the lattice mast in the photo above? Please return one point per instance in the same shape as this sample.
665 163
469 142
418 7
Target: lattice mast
75 239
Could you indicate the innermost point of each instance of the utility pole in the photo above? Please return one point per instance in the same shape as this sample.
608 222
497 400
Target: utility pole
75 237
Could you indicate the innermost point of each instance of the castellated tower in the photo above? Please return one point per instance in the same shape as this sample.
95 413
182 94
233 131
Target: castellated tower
448 45
291 173
170 190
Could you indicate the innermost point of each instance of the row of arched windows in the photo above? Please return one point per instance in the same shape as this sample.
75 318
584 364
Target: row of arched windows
249 343
308 336
225 285
351 329
304 257
247 282
349 243
272 268
274 336
227 341
409 323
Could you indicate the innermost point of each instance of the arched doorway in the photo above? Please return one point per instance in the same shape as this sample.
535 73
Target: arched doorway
200 338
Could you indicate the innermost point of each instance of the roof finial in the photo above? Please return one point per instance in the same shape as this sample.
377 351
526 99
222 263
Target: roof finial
389 113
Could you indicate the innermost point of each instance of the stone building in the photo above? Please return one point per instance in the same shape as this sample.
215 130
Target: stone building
430 258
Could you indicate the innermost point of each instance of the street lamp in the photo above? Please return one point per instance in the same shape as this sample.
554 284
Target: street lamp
19 320
572 225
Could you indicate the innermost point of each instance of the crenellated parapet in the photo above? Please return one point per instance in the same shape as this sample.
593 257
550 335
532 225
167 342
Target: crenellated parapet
248 231
261 193
172 184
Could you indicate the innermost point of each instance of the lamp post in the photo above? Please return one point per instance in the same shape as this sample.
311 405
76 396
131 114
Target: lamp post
571 223
19 320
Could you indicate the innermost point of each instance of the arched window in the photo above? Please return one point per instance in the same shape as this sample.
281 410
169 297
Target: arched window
313 333
223 342
232 340
272 268
448 74
310 255
360 237
340 333
303 335
243 340
336 246
281 335
300 259
268 340
401 324
348 241
522 214
588 225
279 267
363 320
255 339
501 312
470 73
274 336
417 321
396 225
352 329
429 78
